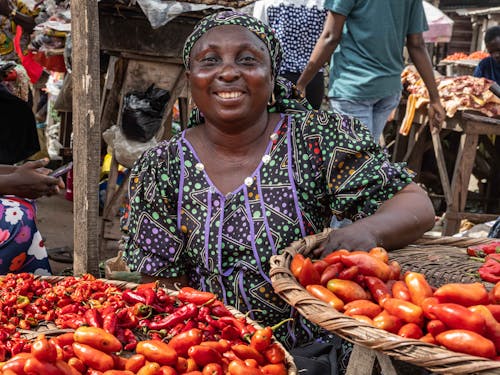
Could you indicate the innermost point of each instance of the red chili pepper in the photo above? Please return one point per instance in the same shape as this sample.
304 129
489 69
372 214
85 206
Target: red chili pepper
490 270
217 308
149 295
132 297
93 318
126 318
109 320
183 313
198 297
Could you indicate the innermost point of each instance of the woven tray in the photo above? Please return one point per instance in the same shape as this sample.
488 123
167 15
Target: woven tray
442 260
50 329
433 357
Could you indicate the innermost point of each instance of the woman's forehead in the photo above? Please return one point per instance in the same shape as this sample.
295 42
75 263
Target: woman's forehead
222 34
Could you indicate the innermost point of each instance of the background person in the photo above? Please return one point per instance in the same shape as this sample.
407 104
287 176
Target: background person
209 207
489 67
298 25
366 39
21 245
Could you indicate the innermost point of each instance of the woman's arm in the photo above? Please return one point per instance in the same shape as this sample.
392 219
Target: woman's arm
418 53
325 46
398 222
6 169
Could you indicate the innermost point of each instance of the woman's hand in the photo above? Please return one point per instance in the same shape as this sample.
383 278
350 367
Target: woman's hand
350 237
31 180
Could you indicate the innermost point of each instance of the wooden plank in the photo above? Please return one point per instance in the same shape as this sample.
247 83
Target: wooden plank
141 38
460 181
441 164
87 134
361 361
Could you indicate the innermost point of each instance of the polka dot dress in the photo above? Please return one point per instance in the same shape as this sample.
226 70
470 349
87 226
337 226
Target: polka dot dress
316 163
297 26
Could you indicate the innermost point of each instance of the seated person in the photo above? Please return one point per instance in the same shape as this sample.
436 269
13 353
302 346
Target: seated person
489 67
256 170
21 245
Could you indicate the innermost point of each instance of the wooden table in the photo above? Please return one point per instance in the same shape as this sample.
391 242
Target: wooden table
470 125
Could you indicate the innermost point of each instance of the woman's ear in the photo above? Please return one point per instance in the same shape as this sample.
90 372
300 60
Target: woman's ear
188 74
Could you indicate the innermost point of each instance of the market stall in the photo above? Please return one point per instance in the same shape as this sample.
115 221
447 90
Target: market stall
472 118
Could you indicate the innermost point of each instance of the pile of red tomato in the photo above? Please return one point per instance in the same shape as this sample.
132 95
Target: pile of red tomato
366 286
144 331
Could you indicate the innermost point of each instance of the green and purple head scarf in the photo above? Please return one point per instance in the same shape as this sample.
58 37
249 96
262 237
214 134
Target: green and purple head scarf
286 96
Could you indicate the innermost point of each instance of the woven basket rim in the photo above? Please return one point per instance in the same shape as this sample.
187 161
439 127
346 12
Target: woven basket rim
53 279
433 357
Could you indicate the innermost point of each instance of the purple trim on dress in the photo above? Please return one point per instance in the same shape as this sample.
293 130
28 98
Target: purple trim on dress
181 184
252 236
264 216
224 294
290 176
244 295
222 202
207 226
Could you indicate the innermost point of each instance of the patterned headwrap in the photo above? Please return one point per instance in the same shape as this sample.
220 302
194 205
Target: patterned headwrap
285 97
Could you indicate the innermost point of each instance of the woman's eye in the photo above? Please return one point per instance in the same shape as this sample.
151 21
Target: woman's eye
248 59
209 60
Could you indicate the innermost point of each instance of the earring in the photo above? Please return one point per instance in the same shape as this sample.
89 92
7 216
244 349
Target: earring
272 100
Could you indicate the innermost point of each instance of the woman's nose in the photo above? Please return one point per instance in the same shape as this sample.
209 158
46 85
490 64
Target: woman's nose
229 71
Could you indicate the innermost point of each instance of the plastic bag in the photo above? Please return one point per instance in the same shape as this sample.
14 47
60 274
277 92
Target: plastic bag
125 151
143 112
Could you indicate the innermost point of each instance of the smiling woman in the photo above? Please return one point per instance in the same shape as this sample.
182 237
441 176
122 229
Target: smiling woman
257 170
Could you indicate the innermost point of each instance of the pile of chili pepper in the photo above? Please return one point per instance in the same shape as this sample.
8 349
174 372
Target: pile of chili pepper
93 351
489 254
126 314
463 317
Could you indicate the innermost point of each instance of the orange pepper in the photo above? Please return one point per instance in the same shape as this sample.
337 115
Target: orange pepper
410 331
463 294
464 341
407 311
325 295
418 287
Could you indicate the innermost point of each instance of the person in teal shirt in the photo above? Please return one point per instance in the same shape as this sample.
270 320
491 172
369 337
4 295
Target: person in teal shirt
367 39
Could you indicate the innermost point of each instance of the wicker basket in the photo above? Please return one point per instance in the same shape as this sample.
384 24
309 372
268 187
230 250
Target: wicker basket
50 328
432 357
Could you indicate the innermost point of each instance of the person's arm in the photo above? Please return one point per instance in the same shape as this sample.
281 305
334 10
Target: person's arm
6 169
30 180
324 48
398 222
418 53
26 22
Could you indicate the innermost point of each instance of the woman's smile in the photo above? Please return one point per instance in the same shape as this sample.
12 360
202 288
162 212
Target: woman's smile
229 94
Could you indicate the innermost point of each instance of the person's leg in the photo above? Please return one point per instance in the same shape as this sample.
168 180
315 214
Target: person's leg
381 111
362 110
315 90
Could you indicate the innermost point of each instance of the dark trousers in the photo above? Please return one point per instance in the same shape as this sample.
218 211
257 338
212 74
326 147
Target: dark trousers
315 90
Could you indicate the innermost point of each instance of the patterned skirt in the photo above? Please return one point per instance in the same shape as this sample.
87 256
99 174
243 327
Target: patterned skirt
21 245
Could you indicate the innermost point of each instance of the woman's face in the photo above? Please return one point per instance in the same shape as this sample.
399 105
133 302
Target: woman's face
493 48
230 75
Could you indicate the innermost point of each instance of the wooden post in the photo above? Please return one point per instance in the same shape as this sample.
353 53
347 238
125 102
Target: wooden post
86 134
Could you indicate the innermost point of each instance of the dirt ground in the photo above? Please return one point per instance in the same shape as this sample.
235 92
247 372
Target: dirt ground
55 223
